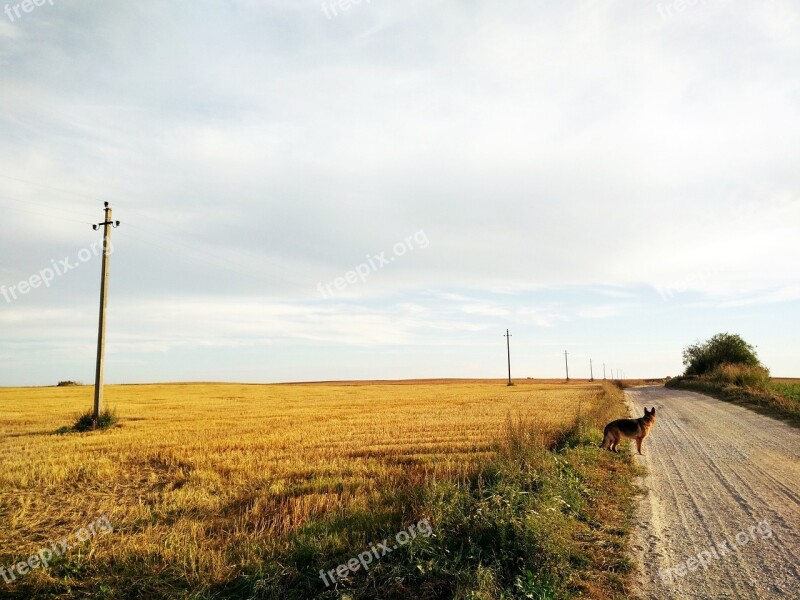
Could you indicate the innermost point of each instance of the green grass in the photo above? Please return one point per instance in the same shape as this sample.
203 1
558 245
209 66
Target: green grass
779 399
86 422
788 390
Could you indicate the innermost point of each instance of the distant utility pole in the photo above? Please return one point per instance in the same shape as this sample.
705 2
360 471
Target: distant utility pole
604 370
566 362
591 370
508 352
107 224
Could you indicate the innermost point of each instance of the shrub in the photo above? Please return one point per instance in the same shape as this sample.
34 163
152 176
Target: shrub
85 422
745 376
723 348
67 383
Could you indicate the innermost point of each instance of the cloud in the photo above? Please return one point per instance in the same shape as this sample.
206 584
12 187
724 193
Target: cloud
254 149
542 317
484 309
602 312
787 294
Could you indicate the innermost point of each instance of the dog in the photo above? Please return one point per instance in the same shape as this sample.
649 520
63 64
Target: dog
636 429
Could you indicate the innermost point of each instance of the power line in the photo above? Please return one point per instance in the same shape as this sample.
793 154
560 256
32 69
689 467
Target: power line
50 187
252 265
42 204
196 253
42 214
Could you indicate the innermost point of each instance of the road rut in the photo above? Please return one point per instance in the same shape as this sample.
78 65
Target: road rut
722 489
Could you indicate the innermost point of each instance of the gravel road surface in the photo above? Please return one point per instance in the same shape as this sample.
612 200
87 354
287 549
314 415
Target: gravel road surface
720 513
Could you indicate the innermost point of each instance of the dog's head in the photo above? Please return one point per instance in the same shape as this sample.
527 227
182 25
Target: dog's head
650 415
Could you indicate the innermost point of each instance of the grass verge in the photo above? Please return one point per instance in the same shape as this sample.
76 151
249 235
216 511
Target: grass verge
624 384
757 392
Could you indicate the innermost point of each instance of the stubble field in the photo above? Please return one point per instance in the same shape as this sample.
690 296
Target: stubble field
209 486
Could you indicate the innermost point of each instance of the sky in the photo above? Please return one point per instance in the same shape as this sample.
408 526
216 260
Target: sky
379 189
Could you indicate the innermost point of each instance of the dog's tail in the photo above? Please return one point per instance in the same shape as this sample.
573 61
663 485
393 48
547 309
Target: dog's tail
605 437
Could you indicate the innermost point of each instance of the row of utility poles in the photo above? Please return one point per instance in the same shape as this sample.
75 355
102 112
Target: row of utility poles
108 224
614 374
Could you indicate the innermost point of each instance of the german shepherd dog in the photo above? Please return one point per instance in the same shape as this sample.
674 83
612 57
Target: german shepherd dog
636 429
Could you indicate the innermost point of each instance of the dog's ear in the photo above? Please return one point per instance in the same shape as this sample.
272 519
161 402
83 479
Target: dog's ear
653 411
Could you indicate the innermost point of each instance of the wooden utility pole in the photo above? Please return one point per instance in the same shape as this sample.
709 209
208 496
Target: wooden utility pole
604 370
591 370
107 224
566 362
508 352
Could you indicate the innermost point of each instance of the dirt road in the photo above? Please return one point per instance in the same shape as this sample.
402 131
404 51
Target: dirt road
720 516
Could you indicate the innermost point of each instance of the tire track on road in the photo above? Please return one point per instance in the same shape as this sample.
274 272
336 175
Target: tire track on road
716 471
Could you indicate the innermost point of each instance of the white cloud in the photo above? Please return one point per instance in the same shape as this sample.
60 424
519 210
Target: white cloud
542 317
484 309
602 312
254 149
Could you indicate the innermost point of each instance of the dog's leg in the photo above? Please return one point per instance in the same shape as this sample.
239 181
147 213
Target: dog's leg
639 444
